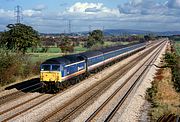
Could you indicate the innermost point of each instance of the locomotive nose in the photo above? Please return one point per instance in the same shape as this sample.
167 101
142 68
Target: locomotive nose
50 76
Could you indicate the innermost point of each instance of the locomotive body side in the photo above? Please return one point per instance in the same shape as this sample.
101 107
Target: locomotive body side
73 70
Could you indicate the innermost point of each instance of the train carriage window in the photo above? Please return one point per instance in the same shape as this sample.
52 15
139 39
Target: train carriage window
45 67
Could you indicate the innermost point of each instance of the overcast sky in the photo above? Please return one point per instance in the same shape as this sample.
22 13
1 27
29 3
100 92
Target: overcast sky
53 15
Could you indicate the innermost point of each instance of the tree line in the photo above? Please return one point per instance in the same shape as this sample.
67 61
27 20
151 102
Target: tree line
19 37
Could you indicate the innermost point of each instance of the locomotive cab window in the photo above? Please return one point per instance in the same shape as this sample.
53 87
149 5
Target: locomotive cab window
45 67
55 67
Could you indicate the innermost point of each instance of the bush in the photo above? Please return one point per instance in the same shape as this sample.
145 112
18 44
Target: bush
170 59
173 62
176 78
13 66
151 92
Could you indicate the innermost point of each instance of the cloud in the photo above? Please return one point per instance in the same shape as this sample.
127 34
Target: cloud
91 8
6 13
31 13
40 7
151 7
139 14
173 4
81 7
134 14
144 7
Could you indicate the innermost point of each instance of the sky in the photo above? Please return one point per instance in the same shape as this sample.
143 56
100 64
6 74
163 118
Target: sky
56 16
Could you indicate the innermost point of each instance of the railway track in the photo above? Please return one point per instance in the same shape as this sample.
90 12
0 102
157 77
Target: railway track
25 106
76 105
119 105
15 95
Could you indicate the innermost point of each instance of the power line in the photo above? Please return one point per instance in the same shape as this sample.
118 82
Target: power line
18 13
69 26
103 28
89 28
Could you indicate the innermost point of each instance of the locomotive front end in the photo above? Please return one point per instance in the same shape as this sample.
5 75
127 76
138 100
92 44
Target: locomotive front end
50 75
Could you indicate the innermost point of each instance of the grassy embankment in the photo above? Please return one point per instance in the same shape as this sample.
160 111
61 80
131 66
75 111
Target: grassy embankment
164 94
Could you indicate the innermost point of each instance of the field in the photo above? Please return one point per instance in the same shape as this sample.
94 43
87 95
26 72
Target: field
52 52
40 57
176 40
177 47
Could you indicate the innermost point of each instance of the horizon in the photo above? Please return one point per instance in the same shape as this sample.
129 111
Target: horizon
78 16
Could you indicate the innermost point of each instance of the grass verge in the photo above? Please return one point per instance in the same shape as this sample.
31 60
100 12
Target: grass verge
162 95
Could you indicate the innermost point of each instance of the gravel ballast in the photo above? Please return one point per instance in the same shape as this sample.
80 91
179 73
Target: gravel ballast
138 103
90 110
41 111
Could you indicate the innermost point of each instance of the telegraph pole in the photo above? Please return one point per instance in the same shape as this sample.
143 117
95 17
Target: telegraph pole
18 13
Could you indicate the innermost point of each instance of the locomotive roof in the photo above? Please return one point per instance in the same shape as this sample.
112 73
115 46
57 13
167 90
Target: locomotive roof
58 60
68 59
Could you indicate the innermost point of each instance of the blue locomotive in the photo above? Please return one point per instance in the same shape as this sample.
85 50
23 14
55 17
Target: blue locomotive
57 72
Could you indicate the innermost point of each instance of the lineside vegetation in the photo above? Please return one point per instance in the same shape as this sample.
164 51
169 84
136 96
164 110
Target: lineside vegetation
164 95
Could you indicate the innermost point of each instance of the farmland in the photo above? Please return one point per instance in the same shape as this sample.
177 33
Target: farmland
177 47
39 56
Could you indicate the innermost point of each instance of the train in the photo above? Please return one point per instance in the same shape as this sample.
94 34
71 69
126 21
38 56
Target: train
56 73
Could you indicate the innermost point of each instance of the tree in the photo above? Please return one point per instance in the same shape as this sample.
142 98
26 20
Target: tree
90 42
66 45
97 35
19 37
94 37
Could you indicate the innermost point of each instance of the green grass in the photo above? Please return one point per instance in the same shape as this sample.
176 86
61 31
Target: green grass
53 52
177 46
109 43
40 57
50 50
79 49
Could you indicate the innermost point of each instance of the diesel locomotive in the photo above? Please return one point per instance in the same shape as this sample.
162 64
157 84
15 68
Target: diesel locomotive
57 72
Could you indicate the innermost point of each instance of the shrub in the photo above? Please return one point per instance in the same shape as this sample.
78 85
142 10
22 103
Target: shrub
9 66
151 92
13 66
173 62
